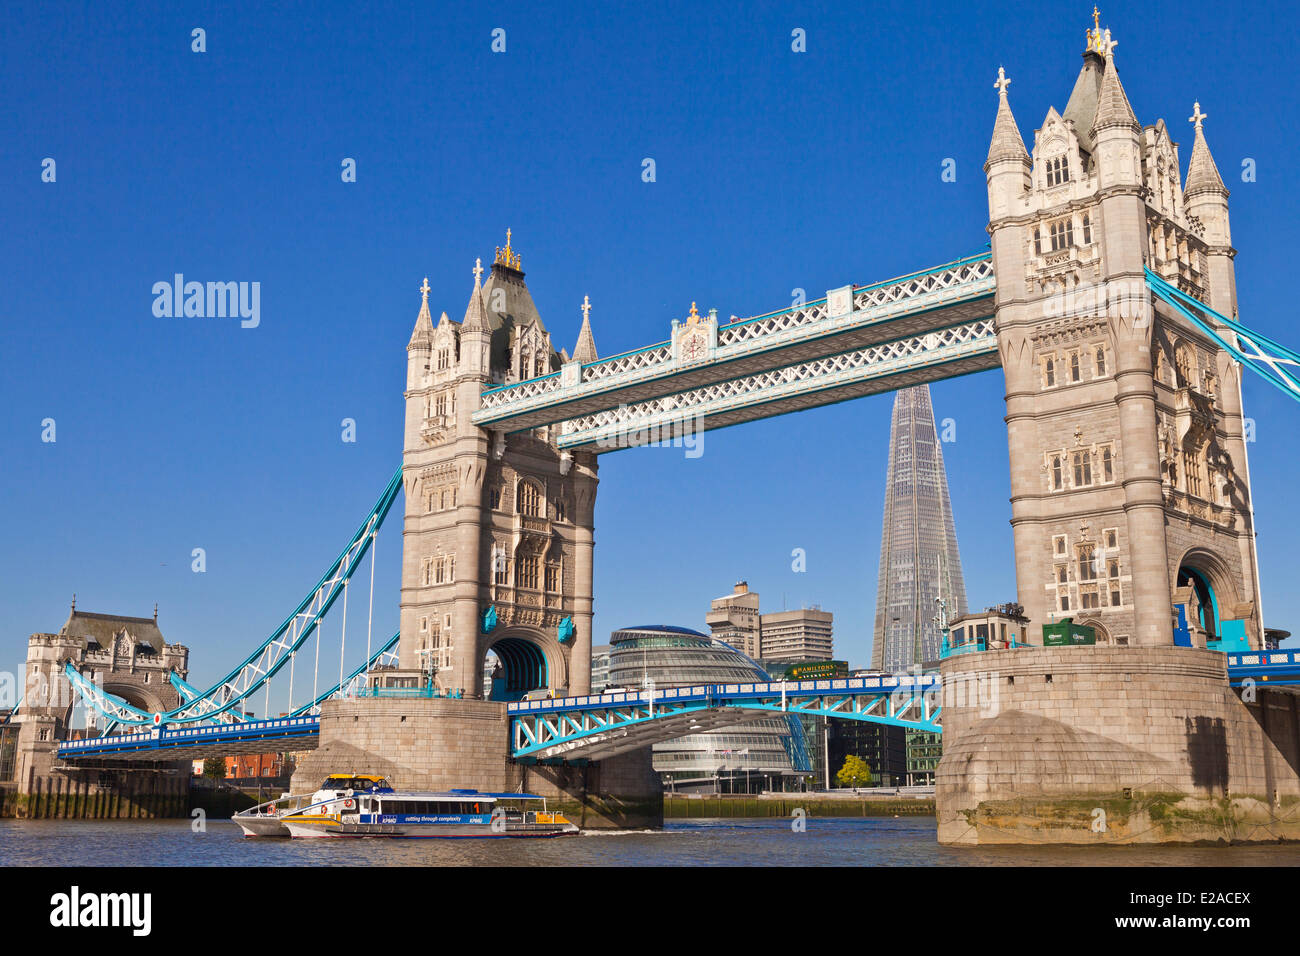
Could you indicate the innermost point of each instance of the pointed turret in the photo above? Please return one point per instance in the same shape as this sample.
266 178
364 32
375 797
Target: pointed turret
1008 167
475 314
1006 143
1202 175
422 334
585 350
1113 109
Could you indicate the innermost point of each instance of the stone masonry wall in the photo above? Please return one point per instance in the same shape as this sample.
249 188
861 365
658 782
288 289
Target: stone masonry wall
1110 745
438 744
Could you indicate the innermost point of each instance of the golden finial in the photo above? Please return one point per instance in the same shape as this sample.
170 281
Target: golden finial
694 317
1094 35
507 256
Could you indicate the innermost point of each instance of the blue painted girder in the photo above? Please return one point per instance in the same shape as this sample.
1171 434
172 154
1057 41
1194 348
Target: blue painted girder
598 726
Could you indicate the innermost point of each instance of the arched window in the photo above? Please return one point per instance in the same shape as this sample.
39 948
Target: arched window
529 500
1087 229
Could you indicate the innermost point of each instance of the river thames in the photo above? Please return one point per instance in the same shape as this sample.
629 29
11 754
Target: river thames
839 841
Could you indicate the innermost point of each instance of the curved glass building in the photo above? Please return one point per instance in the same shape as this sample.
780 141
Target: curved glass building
749 756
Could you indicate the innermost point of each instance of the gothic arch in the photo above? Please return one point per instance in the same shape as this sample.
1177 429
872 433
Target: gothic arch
1102 631
530 660
142 698
530 498
1200 566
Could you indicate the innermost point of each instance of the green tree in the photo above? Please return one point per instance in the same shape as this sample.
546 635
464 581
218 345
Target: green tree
215 767
854 773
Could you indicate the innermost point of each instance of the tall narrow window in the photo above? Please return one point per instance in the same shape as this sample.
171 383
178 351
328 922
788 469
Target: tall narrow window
1100 360
1087 230
1087 562
1107 465
1192 469
529 501
526 573
1038 242
1061 233
1056 475
1049 371
1074 366
1082 469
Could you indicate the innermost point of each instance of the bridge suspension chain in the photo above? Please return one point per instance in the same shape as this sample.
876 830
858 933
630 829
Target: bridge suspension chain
1263 356
221 702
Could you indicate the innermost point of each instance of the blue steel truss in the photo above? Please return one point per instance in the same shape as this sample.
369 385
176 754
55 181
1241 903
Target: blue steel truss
1263 356
167 743
576 727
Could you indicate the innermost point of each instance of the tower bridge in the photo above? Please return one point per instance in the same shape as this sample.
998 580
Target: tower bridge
1108 301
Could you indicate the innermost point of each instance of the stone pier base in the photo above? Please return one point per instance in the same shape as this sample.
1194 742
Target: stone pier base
440 744
1123 745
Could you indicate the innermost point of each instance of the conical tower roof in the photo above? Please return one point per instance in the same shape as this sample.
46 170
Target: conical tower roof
475 314
1081 109
1007 142
1113 108
510 307
585 350
1202 175
422 334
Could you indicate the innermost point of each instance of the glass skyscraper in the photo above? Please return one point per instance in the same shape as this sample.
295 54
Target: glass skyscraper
918 541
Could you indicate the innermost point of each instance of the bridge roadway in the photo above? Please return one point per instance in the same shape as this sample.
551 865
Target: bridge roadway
603 725
856 341
193 743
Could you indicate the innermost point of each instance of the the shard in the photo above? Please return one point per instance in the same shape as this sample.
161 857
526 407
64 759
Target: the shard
919 562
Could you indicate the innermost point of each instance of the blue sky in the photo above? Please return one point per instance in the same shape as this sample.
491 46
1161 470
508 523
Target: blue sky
775 170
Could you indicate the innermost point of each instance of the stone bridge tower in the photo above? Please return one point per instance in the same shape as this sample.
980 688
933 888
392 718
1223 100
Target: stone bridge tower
1130 489
126 656
497 544
1130 504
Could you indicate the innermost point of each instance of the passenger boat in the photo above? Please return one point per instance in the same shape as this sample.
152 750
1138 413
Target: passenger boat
377 810
263 820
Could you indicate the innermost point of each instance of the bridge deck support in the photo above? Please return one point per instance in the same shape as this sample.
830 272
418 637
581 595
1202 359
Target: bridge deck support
440 744
1092 745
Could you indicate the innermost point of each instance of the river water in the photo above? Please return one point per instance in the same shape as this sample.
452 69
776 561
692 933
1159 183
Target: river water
850 841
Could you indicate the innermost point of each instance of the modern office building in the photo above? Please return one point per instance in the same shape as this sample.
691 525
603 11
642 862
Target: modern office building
924 748
767 753
599 668
803 634
800 635
919 561
734 619
882 746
